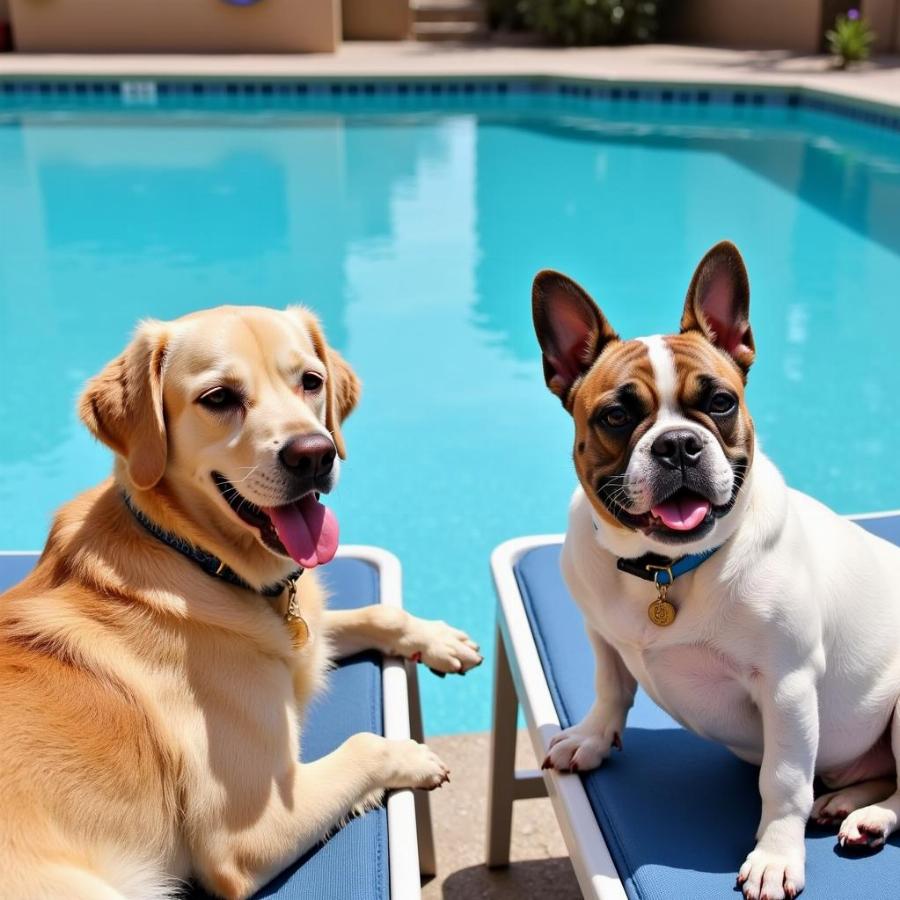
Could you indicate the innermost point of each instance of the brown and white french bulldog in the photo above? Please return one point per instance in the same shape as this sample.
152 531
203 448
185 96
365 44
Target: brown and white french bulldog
776 632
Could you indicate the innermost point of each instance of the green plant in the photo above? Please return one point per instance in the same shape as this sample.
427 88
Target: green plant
851 39
592 21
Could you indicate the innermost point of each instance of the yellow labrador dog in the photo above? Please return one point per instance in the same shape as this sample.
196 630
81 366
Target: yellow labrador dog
155 665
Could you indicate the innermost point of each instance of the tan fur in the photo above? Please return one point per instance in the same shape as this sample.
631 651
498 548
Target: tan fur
598 453
151 717
696 358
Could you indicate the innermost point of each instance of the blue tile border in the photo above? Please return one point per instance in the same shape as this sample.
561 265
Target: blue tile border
48 95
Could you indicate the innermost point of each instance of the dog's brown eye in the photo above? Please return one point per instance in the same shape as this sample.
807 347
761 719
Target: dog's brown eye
721 403
615 417
311 382
220 399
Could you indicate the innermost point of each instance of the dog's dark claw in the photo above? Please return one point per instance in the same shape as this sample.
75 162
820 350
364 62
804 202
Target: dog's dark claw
439 674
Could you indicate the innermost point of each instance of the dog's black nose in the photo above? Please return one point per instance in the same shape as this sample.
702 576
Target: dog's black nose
677 449
310 455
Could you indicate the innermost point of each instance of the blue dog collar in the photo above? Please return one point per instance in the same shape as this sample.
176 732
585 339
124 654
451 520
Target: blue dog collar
661 569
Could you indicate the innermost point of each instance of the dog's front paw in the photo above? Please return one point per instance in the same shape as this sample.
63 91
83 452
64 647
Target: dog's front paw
580 748
770 875
834 807
867 827
440 646
409 764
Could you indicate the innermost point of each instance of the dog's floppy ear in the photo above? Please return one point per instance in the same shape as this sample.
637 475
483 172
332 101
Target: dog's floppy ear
718 304
570 328
342 386
123 406
345 384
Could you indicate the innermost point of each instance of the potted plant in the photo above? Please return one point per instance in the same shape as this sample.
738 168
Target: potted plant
850 40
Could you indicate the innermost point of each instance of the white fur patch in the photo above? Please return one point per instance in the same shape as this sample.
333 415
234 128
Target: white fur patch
663 363
669 416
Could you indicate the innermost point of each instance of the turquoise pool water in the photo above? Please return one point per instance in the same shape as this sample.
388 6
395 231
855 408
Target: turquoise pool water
415 233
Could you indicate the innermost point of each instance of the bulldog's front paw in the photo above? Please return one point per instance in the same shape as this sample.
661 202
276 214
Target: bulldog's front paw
834 807
439 646
769 875
867 827
581 747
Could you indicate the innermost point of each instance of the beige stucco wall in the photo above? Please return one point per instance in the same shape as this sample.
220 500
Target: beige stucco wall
188 26
884 17
789 24
377 20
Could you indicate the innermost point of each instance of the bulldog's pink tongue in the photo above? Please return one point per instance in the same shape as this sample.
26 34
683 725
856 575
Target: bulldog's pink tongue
683 512
308 530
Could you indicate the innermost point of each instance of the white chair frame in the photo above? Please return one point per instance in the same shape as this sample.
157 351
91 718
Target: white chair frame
519 681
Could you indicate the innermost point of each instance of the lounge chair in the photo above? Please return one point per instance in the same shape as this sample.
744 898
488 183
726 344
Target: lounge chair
379 855
672 816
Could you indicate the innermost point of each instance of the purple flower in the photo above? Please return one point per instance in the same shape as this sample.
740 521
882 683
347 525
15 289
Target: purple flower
852 14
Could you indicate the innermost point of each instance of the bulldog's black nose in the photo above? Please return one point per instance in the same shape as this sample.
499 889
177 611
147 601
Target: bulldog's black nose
677 449
310 455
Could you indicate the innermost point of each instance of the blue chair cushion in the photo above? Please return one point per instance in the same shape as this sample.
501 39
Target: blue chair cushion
678 813
353 862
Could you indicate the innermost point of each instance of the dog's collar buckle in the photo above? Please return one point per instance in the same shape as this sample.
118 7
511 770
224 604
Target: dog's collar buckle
661 611
658 572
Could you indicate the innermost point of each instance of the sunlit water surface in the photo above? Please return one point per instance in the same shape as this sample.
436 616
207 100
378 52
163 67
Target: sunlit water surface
415 236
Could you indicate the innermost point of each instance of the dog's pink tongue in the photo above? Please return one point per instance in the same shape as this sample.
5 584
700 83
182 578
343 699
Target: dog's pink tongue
682 512
308 530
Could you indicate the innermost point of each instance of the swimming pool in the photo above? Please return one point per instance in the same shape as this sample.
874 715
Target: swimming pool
414 228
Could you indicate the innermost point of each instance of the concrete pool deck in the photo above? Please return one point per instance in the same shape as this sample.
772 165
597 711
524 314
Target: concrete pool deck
539 865
876 83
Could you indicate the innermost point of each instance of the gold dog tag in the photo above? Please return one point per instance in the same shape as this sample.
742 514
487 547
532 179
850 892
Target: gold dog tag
294 620
299 632
660 611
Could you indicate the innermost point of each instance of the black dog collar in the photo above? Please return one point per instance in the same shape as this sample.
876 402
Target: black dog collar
661 569
212 565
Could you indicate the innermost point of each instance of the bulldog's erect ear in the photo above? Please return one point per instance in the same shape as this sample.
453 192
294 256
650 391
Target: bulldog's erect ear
342 386
718 304
123 406
570 328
